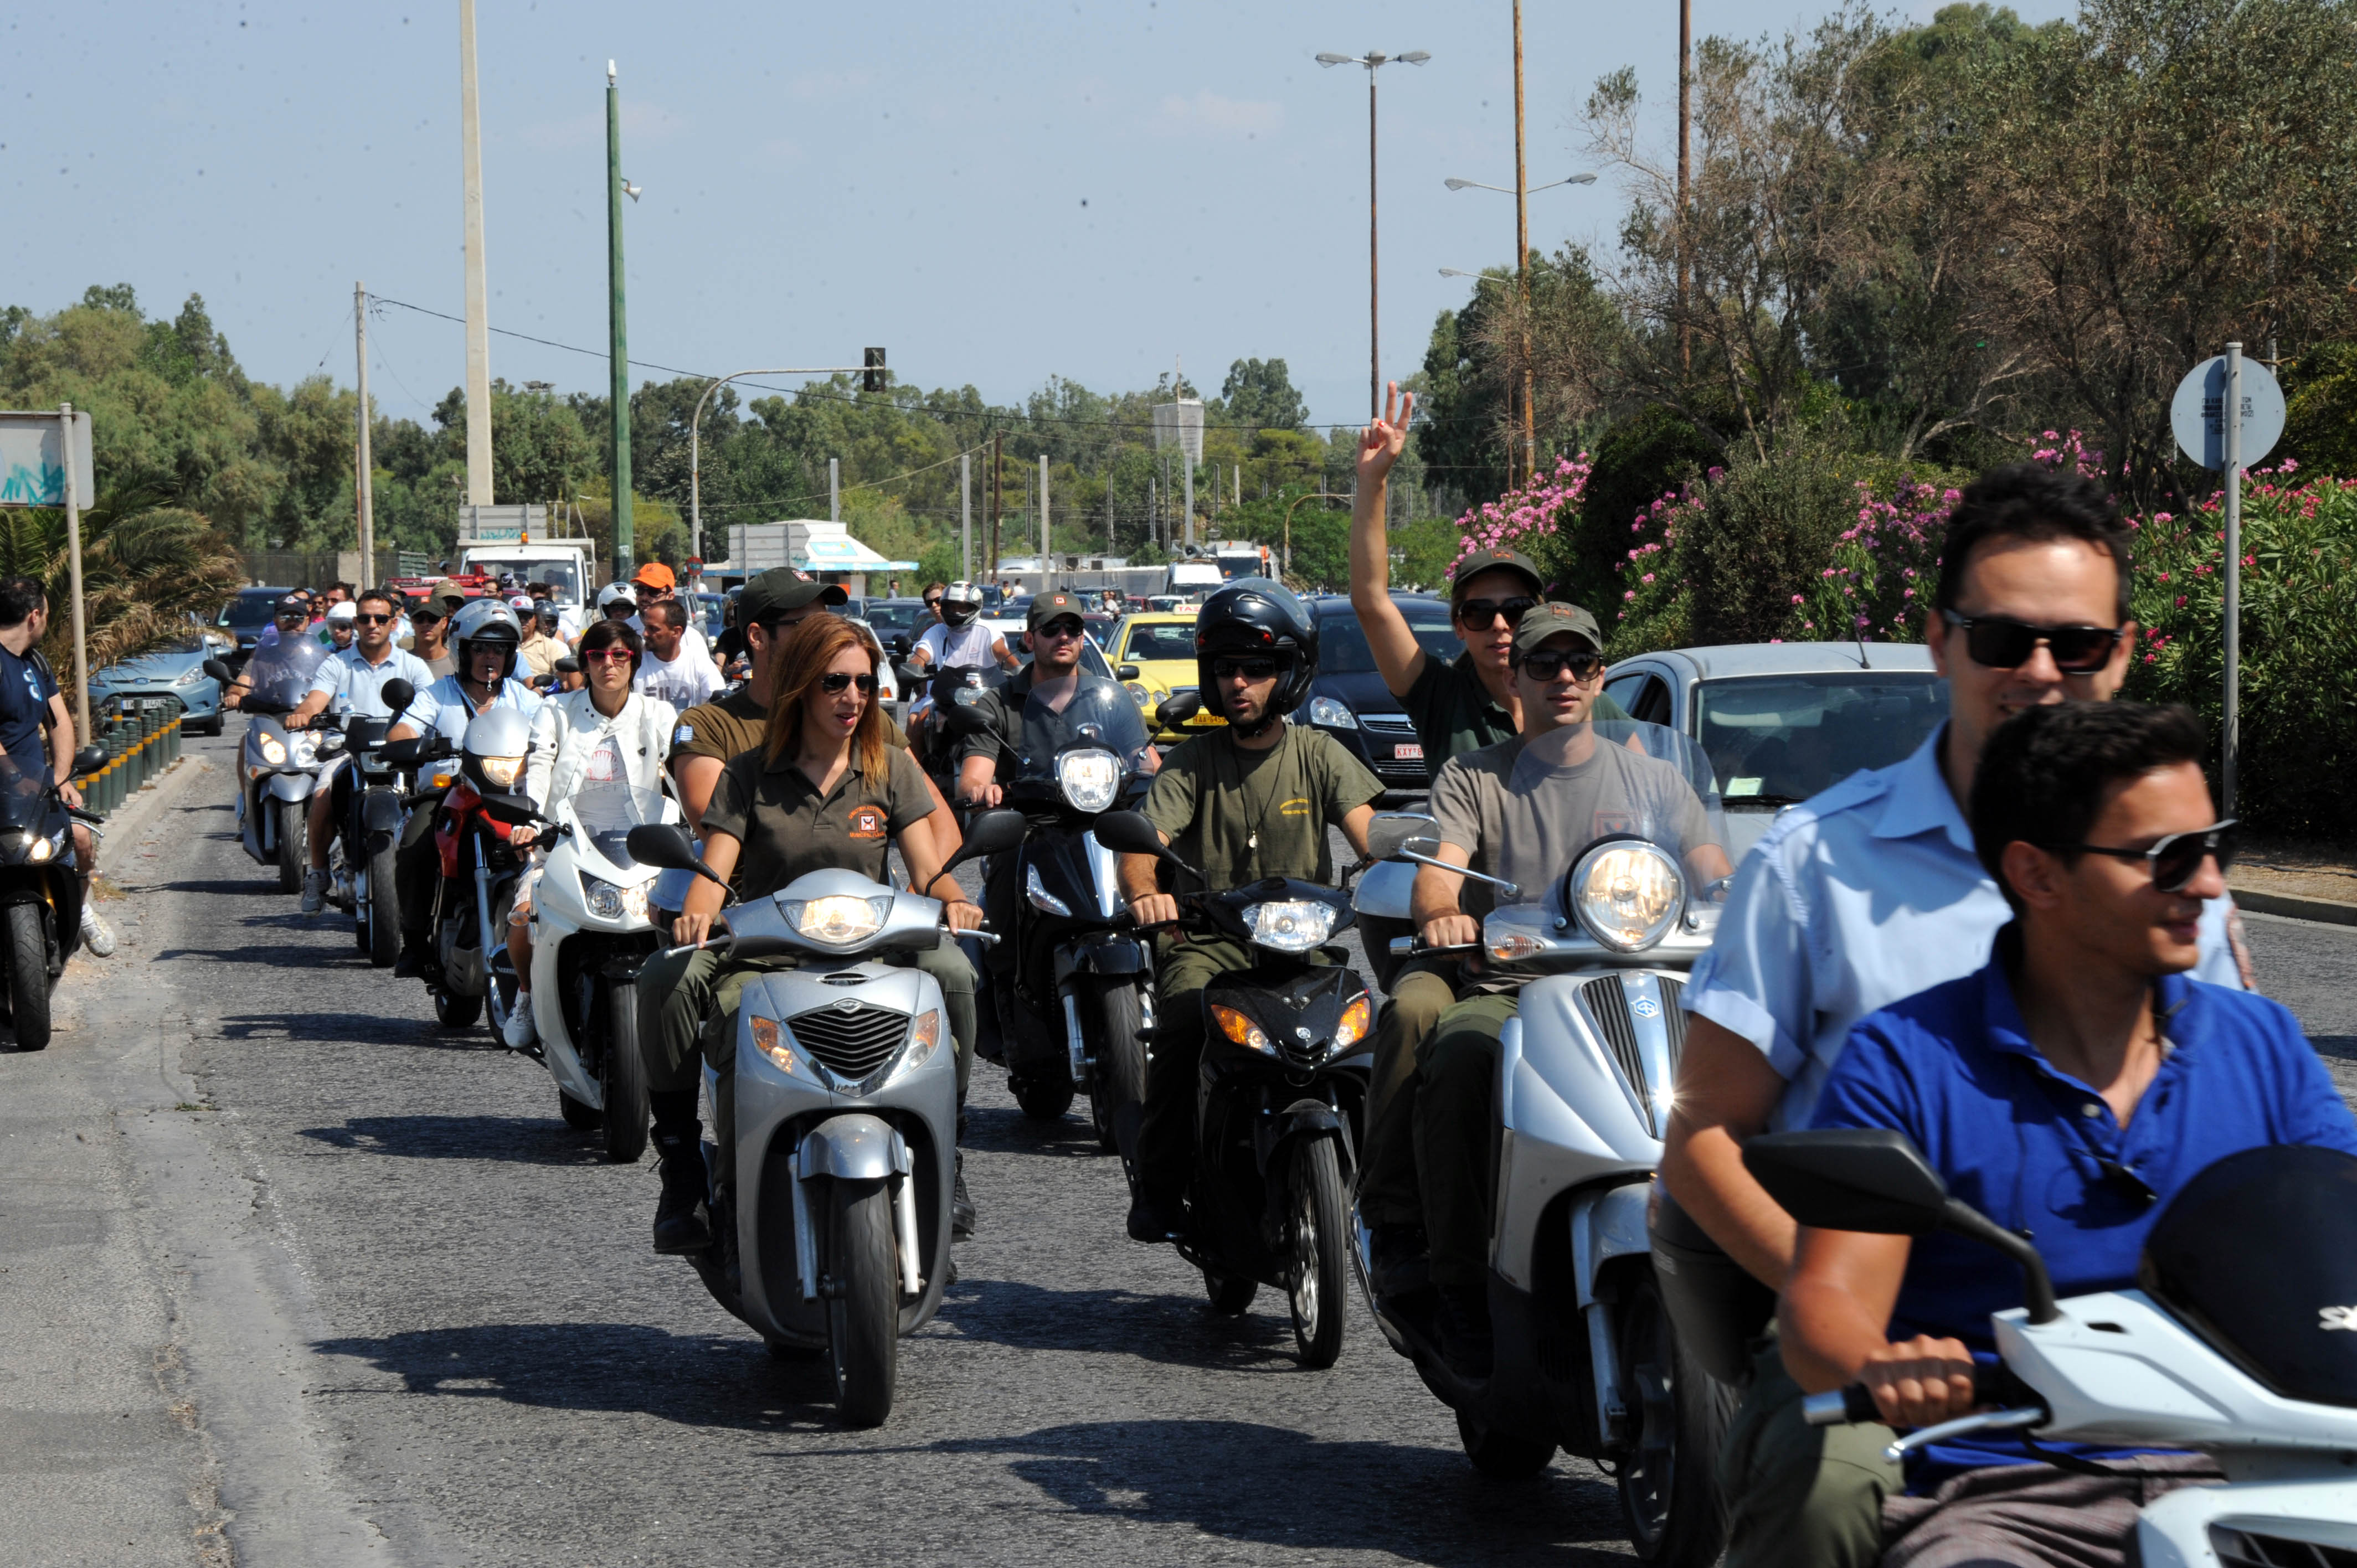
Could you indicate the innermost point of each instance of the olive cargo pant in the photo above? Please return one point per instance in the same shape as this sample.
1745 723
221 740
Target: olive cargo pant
1800 1496
677 993
1388 1192
1456 1119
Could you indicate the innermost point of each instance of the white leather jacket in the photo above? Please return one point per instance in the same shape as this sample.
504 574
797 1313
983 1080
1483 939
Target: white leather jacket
569 728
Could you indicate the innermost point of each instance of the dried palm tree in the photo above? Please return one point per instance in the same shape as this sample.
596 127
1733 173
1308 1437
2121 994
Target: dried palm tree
146 568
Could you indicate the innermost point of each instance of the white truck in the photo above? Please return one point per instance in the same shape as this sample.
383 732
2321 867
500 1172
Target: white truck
512 538
1197 579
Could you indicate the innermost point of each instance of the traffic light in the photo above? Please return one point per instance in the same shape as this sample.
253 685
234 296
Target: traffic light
872 378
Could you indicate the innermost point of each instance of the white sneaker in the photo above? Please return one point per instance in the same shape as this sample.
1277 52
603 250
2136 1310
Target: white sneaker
518 1034
94 933
314 890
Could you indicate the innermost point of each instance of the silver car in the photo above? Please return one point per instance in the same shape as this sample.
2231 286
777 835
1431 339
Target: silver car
1781 721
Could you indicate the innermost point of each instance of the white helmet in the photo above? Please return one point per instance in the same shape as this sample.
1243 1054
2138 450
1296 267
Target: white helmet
496 743
613 593
960 602
491 623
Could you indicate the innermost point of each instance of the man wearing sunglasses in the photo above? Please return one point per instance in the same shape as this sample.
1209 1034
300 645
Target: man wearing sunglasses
1862 896
355 675
1239 803
2067 1090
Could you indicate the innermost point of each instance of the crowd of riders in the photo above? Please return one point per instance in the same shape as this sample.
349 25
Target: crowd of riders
2014 946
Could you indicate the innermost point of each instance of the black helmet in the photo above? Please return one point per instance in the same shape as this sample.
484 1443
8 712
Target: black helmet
1255 615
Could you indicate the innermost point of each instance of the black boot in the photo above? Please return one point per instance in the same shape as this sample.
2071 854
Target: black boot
682 1221
961 1206
1156 1217
1397 1259
1465 1341
411 965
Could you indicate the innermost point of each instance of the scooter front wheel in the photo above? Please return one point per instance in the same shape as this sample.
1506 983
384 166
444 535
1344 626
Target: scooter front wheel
293 845
863 1302
1678 1414
456 1012
1317 1268
1121 1058
1500 1455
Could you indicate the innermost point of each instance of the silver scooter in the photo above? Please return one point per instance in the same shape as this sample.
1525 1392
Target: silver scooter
846 1118
1585 1357
278 768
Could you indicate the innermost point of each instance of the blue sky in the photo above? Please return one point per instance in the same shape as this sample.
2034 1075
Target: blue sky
996 194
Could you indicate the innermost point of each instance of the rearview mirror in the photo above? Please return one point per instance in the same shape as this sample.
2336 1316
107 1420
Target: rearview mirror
1393 831
1850 1178
515 810
965 720
406 753
1175 711
990 833
88 759
568 665
397 694
219 672
666 845
1128 832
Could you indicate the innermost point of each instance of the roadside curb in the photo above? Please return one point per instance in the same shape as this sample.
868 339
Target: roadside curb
134 816
2333 912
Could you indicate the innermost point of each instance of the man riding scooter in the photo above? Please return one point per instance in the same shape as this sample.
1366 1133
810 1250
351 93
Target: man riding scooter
2067 1091
356 674
1869 893
484 639
1505 812
956 642
1249 801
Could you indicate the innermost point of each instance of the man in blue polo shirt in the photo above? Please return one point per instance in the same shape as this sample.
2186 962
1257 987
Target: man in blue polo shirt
1856 899
2067 1091
355 676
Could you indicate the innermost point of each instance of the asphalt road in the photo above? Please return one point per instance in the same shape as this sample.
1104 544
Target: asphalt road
289 1275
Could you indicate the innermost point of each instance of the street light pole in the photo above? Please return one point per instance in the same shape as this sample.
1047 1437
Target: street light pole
1312 496
695 445
618 389
1522 257
1373 62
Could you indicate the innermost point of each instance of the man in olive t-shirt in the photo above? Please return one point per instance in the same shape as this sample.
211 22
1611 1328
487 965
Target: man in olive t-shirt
1241 803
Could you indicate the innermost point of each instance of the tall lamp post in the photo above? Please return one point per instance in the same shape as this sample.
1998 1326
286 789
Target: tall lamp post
1521 193
1374 62
625 540
1312 496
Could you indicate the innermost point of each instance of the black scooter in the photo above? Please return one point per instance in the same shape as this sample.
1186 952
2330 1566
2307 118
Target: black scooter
40 894
1288 1056
362 882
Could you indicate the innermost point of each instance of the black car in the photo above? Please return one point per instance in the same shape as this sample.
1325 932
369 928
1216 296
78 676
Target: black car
898 622
244 617
1348 700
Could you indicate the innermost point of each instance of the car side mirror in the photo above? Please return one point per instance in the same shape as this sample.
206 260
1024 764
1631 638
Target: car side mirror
1872 1179
1394 832
88 759
1175 711
1125 672
220 671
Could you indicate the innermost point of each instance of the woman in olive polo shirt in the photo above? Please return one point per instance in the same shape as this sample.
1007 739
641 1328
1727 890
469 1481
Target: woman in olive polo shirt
823 790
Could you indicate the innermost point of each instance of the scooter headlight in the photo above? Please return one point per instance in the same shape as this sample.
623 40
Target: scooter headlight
1294 925
1090 779
610 901
1627 893
839 919
40 850
273 751
304 750
1242 1030
501 770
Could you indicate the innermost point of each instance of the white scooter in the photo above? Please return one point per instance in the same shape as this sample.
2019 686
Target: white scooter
1585 1355
591 934
2238 1345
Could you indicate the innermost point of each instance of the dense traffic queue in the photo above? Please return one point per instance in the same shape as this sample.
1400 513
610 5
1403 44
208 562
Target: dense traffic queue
1822 1085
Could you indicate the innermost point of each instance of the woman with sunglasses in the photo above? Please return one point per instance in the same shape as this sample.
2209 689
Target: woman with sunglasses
824 789
605 733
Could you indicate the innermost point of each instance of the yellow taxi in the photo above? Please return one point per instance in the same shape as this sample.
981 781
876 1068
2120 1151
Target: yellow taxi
1161 645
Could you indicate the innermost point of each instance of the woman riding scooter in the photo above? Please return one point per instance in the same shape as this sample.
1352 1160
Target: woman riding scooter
824 789
604 733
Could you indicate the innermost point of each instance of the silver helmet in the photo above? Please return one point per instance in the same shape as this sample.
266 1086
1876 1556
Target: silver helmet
960 602
490 622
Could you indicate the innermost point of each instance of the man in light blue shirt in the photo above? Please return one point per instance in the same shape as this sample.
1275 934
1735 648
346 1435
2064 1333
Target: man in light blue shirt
1867 893
354 677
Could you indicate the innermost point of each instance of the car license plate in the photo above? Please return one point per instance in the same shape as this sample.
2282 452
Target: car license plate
1206 719
1407 751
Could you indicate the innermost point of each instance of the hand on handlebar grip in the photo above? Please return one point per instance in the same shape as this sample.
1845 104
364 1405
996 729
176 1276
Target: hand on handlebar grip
1154 910
962 916
1920 1381
692 930
1451 931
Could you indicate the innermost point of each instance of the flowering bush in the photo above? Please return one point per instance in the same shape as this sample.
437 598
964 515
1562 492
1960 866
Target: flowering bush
1527 519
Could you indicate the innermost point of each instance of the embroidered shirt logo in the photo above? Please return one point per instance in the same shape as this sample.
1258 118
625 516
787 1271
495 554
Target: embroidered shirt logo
866 822
1296 807
2331 1318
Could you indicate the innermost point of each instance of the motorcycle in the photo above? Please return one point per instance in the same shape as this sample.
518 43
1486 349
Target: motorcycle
1585 1358
277 768
594 933
360 865
845 1120
1288 1054
1079 964
480 865
40 894
2219 1350
949 687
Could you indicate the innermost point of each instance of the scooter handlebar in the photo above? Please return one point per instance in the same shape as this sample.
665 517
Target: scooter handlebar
1992 1385
1405 947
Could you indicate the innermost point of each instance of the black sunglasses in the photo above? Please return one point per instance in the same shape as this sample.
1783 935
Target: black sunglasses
425 617
1546 663
1481 612
1067 628
2177 858
934 603
1250 668
835 682
366 619
1997 643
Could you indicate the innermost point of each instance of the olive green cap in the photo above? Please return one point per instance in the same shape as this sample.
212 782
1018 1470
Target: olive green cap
1543 621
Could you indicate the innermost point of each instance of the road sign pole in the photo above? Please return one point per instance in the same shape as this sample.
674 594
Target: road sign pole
73 574
2231 742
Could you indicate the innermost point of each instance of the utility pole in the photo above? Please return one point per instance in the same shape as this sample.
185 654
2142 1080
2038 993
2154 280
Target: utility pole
478 327
835 490
2231 429
361 463
618 351
66 446
965 516
1374 311
1153 512
1685 135
1522 257
997 496
1045 568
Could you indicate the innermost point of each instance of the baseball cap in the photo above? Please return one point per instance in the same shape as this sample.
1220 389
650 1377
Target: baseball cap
777 590
291 605
1543 621
1488 560
1045 608
446 596
655 575
343 609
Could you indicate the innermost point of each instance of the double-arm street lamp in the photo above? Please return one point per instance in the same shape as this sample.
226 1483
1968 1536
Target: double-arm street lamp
696 443
1374 62
1521 194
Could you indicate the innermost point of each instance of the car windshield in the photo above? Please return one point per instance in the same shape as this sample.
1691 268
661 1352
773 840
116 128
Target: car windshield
893 614
1775 740
248 612
1087 710
1342 641
561 573
1167 640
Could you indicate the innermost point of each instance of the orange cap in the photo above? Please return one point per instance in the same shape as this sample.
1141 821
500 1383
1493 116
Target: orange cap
655 575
